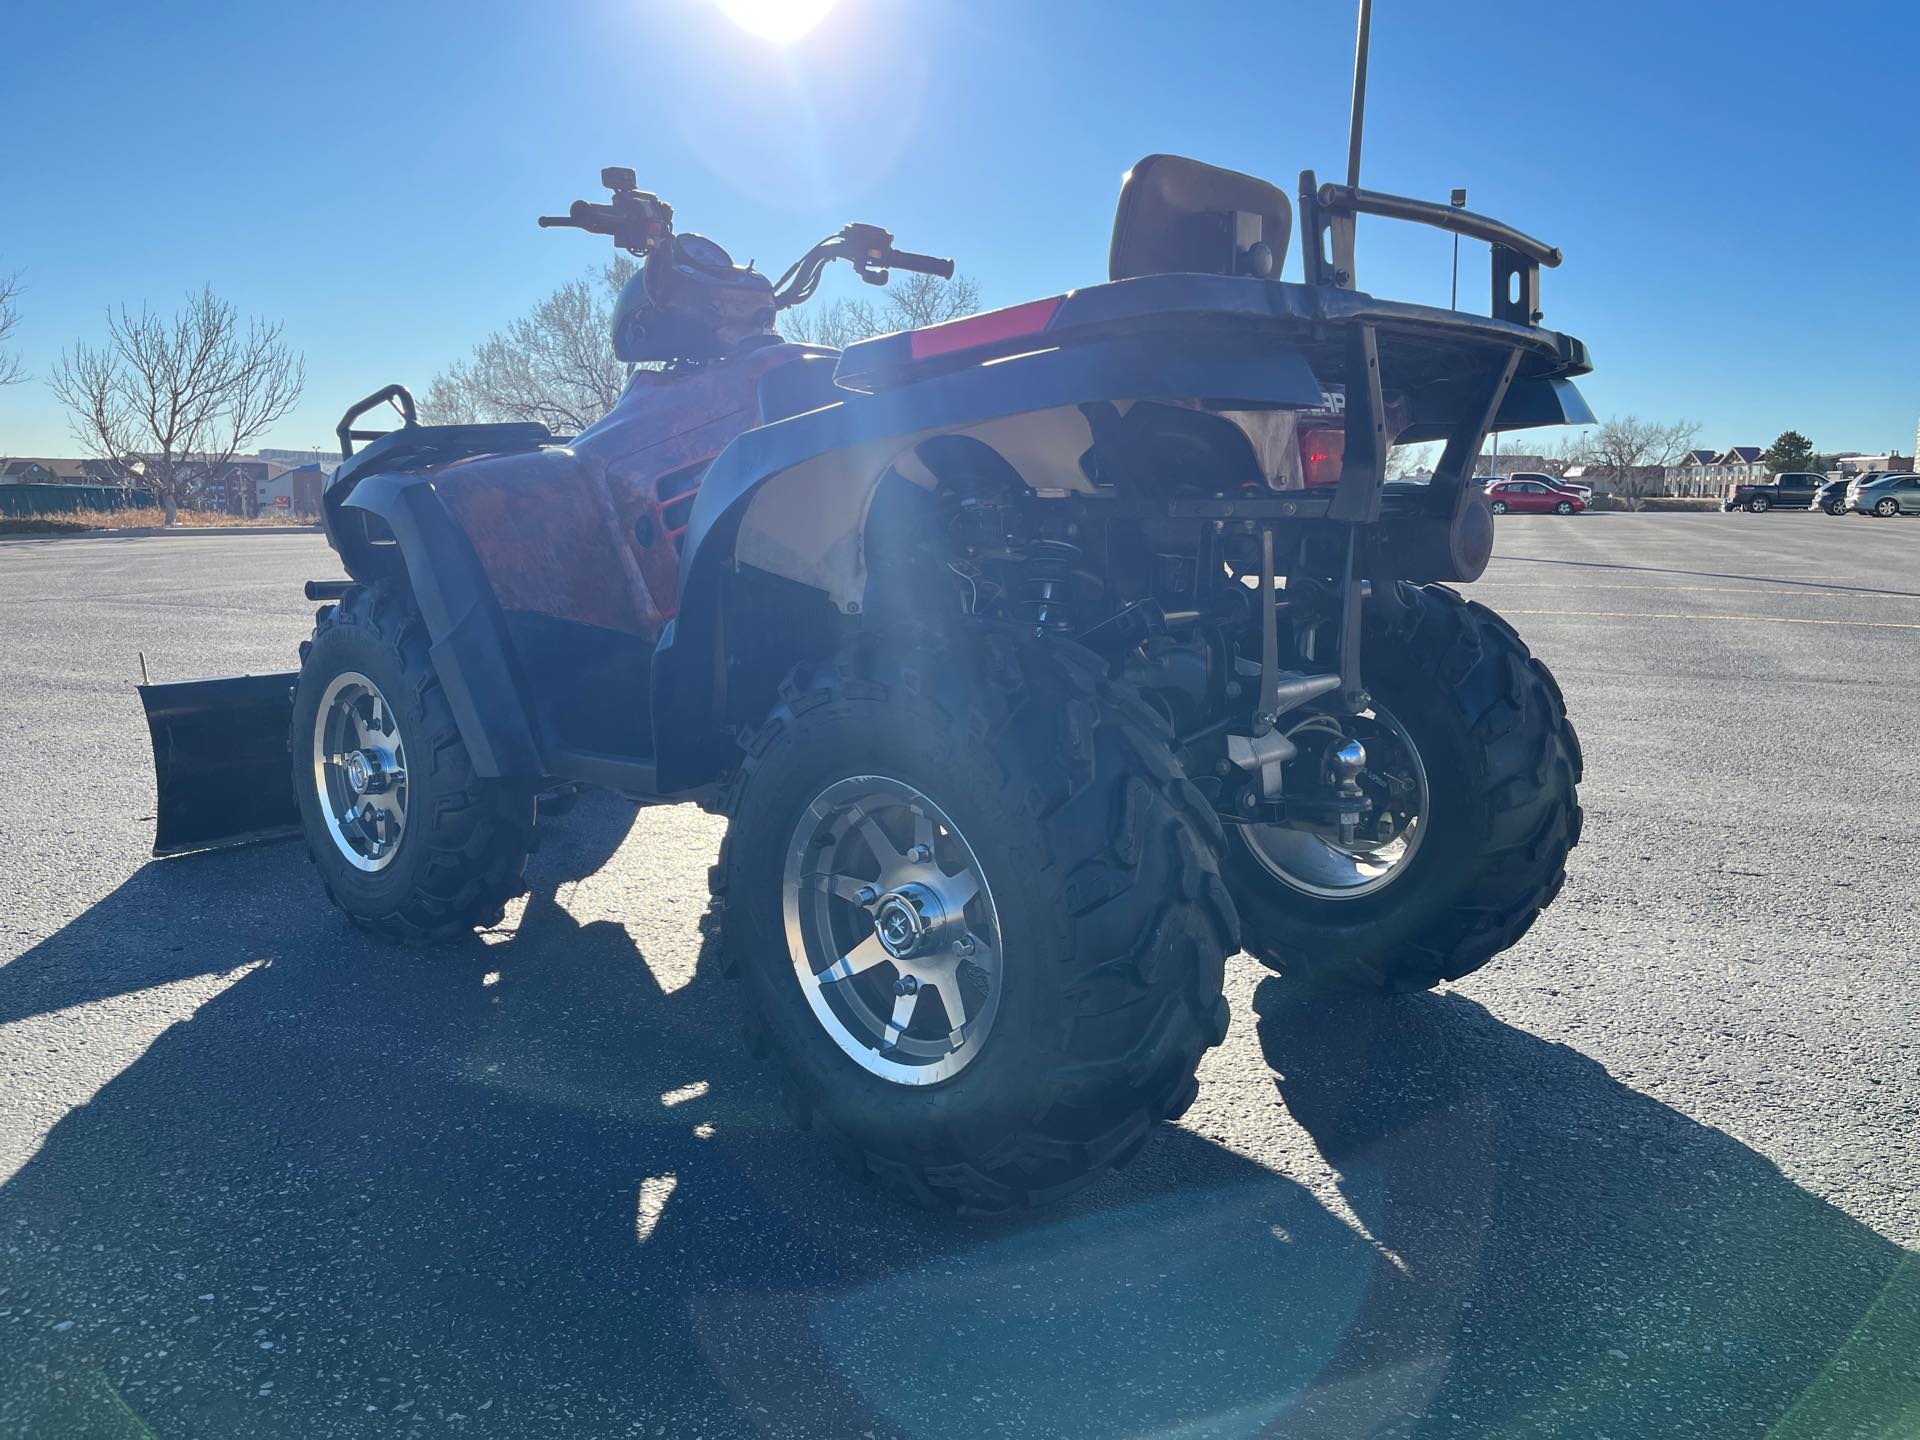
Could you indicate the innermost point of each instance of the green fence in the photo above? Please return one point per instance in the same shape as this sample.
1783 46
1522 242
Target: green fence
67 499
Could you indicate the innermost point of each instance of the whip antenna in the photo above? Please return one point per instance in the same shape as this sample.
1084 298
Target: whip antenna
1359 94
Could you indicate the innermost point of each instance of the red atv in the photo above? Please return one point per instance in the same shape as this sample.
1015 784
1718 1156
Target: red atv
1039 660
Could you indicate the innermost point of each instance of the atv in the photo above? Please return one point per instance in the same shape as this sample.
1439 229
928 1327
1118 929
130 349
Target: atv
1038 660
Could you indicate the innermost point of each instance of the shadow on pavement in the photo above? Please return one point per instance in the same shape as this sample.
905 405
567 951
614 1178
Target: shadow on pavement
520 1188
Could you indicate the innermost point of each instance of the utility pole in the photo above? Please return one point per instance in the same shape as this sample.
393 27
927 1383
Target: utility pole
1459 200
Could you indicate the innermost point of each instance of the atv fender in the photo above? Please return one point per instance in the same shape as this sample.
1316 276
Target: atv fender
792 498
469 647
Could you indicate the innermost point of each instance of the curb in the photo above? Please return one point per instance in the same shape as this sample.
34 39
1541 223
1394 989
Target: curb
146 533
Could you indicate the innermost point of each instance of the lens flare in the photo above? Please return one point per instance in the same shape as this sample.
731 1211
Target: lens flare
781 21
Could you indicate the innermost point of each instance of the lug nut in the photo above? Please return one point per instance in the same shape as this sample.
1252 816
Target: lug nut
907 985
920 854
867 895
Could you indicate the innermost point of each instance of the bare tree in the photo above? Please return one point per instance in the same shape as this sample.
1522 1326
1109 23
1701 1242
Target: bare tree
912 301
1408 462
12 372
171 402
1632 454
554 365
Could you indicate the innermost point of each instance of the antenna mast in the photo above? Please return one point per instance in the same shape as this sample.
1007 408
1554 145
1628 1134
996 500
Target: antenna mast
1359 94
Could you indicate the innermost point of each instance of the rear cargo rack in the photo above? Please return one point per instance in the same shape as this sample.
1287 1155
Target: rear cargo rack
1327 214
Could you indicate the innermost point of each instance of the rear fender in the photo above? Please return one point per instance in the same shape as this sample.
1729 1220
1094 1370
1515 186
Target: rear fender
469 647
791 499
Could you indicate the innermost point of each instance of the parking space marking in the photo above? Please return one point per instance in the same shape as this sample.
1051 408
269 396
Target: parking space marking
1837 593
1742 619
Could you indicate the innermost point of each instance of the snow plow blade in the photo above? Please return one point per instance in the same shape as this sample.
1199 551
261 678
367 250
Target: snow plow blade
220 761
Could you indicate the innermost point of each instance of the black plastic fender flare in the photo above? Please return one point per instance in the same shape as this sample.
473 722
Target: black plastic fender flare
469 646
1226 363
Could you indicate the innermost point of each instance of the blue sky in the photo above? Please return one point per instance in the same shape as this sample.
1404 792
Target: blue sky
1737 191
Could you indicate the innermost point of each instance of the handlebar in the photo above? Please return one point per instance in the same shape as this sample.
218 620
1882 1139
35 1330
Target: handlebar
639 221
636 220
583 215
925 264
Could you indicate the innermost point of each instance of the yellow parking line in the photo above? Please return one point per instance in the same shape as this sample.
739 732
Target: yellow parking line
1796 589
1740 619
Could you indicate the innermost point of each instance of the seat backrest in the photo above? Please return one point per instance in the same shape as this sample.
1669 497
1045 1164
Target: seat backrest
1182 216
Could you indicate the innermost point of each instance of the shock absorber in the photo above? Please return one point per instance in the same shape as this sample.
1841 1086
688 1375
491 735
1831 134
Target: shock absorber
1045 599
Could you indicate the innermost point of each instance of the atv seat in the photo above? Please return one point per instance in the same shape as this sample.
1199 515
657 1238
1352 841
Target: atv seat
1181 216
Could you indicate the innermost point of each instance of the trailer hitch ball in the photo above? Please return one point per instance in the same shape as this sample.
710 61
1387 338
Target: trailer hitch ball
1348 760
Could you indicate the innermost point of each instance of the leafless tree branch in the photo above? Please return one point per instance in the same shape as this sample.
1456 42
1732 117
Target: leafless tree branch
170 402
1632 455
912 301
12 370
553 365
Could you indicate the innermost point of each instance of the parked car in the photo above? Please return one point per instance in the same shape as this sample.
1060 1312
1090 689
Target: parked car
1793 490
1532 496
1584 493
1886 494
1831 497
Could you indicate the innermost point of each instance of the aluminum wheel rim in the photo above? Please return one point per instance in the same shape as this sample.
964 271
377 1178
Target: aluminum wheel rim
360 771
892 930
1326 870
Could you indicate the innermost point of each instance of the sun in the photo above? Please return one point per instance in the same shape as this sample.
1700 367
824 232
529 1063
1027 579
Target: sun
781 21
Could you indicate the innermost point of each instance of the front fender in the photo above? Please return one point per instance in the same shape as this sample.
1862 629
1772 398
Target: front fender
469 647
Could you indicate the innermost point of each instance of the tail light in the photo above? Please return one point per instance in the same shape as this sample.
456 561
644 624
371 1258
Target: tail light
1322 455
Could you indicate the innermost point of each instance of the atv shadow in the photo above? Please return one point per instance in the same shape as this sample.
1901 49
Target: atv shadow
530 1185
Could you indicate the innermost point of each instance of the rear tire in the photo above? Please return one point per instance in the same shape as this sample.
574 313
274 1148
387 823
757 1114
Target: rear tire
1886 509
462 847
1503 765
1499 507
1758 505
1097 858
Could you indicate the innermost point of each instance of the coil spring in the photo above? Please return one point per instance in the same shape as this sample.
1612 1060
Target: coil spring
1045 600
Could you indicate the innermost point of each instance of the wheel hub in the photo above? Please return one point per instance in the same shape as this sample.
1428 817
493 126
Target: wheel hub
892 930
359 769
371 771
905 919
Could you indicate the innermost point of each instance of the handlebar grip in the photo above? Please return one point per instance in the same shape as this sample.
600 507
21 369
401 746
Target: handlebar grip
925 264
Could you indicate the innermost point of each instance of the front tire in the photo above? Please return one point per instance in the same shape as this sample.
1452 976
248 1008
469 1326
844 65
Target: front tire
1065 855
1500 768
409 842
1565 507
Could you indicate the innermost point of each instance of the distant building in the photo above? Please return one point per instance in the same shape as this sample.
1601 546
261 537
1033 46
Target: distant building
1515 464
1857 464
1710 472
30 470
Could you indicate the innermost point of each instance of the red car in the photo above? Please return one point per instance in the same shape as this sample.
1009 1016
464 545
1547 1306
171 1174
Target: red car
1531 495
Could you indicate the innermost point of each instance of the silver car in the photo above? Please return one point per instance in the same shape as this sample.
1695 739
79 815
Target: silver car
1886 495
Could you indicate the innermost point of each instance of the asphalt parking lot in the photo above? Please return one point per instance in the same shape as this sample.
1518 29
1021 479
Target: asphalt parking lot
1650 1174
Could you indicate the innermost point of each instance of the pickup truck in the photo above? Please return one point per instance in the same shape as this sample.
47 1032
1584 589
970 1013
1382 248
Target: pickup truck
1793 490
